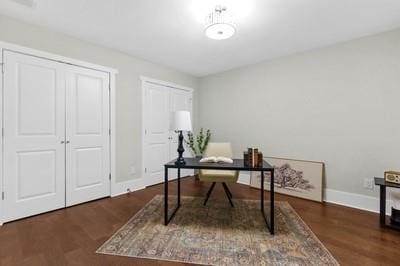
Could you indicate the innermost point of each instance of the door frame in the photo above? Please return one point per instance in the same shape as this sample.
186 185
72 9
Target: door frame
145 80
4 46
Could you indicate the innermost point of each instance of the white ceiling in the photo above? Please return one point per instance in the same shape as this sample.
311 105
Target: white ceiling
171 32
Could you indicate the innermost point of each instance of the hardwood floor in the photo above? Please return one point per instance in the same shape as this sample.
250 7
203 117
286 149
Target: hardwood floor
71 236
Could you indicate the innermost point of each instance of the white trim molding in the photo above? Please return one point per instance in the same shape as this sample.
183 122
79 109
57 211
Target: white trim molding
124 187
4 46
357 201
1 138
55 57
144 80
165 83
113 135
352 200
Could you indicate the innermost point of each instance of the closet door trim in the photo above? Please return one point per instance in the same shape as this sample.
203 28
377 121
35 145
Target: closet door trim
145 181
4 46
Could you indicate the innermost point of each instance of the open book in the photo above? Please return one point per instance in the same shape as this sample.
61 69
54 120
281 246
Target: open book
218 159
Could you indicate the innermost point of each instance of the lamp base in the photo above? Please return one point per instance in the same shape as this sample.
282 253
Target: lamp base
181 150
180 161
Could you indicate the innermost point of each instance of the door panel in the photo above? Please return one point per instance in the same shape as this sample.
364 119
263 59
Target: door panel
156 151
34 123
155 168
29 96
88 173
89 105
41 164
87 134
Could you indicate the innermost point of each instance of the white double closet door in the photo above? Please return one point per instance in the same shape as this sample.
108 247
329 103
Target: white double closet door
56 135
160 142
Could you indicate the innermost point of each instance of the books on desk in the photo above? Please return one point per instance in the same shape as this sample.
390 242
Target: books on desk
216 159
252 157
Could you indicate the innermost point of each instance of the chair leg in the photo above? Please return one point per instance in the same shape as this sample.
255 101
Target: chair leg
209 193
228 193
227 189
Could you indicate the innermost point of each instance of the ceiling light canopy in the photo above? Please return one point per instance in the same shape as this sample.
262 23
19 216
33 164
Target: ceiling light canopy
219 24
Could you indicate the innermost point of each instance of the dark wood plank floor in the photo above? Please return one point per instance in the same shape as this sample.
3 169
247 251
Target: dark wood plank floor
71 236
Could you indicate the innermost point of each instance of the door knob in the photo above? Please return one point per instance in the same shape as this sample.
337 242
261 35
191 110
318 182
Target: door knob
62 142
67 141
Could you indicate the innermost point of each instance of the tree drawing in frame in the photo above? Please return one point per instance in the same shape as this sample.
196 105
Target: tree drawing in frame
289 178
293 177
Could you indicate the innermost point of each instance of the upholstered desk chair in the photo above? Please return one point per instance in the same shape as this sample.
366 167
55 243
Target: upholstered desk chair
219 176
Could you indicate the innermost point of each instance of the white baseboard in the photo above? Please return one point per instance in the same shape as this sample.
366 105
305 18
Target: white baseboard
128 186
347 199
358 201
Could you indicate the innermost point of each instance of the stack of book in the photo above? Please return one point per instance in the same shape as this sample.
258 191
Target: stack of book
252 157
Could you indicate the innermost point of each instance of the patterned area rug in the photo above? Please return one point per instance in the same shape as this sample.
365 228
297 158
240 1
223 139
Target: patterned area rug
218 235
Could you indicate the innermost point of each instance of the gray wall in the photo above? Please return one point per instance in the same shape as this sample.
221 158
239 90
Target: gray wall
128 92
339 105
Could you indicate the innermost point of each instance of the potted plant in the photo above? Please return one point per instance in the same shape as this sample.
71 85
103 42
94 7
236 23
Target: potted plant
199 146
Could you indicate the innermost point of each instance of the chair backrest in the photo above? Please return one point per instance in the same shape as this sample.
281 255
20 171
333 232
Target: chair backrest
219 149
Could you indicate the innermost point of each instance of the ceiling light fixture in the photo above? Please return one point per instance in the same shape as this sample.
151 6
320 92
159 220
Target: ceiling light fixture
219 24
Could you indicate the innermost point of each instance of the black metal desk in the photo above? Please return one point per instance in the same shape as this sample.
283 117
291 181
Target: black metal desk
237 165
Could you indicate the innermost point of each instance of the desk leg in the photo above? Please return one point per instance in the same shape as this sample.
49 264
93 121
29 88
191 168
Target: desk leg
167 218
272 202
271 223
262 197
382 210
179 187
165 195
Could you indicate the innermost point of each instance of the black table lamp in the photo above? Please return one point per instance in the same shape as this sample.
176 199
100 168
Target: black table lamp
181 123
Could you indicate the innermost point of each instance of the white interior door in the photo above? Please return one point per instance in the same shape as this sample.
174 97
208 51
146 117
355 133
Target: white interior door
160 142
87 135
180 100
34 123
157 131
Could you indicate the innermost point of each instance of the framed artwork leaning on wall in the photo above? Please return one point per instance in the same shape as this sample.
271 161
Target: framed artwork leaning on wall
297 178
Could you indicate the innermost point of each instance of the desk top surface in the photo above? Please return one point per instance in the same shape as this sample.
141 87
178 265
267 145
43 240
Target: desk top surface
238 164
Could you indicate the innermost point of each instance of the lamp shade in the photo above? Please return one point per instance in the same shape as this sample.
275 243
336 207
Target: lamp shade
182 121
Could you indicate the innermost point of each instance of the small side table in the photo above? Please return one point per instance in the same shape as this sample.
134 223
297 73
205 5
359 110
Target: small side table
385 219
